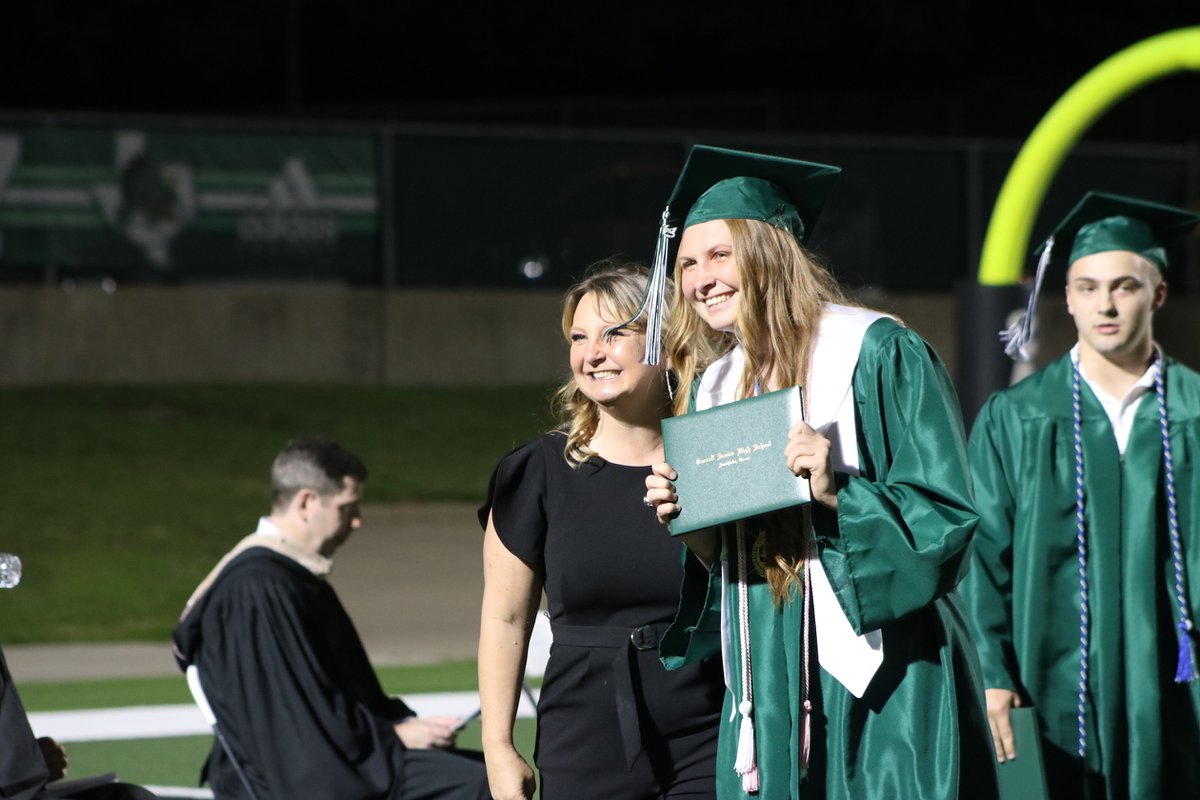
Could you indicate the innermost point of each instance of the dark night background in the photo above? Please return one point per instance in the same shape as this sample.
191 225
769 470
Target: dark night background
556 129
937 69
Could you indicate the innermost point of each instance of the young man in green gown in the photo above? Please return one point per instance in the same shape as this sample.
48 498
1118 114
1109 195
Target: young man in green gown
1082 592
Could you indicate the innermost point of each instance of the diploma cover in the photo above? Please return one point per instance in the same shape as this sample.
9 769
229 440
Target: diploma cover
1024 777
730 460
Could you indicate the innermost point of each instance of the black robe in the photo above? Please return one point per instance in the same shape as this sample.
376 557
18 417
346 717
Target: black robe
291 686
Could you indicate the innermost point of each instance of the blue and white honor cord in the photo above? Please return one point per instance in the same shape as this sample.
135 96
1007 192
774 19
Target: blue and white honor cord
1081 545
1186 667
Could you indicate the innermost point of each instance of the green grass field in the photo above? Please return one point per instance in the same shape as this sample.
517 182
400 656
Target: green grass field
450 676
117 497
176 761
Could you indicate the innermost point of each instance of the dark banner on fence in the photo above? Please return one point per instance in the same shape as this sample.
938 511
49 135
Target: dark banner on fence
413 206
185 204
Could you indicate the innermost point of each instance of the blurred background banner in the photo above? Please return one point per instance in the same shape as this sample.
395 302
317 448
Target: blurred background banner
168 204
199 200
415 253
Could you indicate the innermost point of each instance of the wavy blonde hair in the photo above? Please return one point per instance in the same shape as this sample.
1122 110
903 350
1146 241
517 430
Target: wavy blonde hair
618 288
783 290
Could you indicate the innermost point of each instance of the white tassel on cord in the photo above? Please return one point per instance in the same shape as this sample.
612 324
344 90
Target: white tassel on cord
746 763
1018 336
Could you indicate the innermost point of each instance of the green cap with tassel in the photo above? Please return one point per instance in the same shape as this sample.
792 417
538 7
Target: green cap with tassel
1099 223
717 183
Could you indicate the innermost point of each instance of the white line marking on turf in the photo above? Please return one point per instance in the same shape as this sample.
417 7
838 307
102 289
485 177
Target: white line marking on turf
157 722
174 792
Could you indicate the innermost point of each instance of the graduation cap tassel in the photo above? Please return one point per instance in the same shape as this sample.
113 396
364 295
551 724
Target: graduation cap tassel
656 290
654 300
1018 336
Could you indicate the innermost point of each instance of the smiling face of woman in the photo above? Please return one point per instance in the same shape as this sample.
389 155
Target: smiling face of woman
608 368
708 274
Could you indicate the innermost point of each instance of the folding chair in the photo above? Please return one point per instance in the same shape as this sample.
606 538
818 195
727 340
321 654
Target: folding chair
193 682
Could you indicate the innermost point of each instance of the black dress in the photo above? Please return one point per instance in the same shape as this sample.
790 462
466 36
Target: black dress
612 722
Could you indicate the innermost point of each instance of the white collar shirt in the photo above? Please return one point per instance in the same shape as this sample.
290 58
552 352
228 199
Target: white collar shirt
1120 410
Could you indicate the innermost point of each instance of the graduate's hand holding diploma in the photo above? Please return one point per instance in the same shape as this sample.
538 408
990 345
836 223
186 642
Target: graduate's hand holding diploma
422 733
999 703
808 456
660 493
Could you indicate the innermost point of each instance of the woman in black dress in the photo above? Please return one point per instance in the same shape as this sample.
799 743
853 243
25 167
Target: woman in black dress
564 514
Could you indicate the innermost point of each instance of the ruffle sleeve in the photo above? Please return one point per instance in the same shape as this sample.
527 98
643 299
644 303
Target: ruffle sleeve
517 497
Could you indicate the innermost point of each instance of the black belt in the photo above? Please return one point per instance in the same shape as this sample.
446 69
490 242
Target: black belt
625 641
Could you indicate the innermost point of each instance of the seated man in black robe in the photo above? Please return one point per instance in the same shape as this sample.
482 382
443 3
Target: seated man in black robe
300 708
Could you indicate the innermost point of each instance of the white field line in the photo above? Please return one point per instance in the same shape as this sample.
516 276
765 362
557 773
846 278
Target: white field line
156 722
180 792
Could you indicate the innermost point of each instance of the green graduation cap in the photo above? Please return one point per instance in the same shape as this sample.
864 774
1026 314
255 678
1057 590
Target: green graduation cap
730 184
1100 223
717 183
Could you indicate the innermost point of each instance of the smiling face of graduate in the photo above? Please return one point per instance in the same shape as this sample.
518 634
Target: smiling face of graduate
1112 296
708 273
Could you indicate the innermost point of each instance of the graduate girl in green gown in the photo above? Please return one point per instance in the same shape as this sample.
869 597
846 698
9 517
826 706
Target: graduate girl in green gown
849 669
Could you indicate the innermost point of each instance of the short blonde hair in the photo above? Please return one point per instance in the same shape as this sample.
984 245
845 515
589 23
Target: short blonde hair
618 288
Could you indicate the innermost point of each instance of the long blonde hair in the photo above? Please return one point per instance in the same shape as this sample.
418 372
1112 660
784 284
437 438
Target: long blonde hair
783 291
618 288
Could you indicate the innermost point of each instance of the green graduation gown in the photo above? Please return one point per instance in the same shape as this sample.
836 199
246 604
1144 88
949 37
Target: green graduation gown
1023 589
894 552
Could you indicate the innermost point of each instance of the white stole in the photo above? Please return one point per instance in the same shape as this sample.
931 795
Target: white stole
267 535
851 659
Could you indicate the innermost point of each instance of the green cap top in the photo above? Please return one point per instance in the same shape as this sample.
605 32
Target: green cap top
730 184
1103 222
1099 223
717 183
